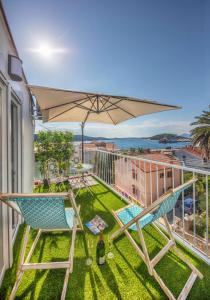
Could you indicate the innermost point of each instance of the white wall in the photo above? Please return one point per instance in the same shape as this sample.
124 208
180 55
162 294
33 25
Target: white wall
18 91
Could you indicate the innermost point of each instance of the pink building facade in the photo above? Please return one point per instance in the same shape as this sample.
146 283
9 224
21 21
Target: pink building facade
97 145
144 182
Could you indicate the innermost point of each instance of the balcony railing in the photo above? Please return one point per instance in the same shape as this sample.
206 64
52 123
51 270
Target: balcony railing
141 180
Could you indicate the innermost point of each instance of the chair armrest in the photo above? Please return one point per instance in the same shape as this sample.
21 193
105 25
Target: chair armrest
5 196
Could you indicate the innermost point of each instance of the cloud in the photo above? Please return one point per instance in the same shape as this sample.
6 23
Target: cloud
144 129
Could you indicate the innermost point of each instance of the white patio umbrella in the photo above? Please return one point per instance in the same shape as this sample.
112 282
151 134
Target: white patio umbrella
59 105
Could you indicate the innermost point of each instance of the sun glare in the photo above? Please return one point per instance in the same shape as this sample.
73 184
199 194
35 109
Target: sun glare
47 51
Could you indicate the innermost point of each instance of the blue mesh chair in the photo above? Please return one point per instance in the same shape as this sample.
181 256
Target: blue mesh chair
135 218
45 212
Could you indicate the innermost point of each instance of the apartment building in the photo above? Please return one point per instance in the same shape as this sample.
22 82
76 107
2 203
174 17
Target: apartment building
144 181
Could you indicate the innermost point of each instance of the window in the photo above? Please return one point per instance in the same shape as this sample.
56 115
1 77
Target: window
161 175
15 150
1 240
134 189
14 156
134 174
169 174
1 221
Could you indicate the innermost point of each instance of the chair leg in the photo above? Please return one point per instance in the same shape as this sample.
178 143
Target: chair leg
71 258
33 246
163 286
195 272
179 253
141 237
15 287
168 227
23 250
19 271
63 295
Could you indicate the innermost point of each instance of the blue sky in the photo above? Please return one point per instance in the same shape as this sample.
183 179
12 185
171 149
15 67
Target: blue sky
149 49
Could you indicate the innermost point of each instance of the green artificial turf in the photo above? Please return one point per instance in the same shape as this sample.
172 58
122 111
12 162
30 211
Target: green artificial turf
124 277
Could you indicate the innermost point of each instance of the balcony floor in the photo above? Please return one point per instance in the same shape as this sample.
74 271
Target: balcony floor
123 277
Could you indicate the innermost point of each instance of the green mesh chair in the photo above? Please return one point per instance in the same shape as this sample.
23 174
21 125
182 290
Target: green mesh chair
45 212
135 218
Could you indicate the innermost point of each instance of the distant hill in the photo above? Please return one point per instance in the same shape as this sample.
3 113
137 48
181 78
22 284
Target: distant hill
186 135
78 138
169 137
163 135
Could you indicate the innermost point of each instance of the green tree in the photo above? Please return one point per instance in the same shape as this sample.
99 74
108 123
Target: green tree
140 150
201 226
53 147
132 150
199 185
201 133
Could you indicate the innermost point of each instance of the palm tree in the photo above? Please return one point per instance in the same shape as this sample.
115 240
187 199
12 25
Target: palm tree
201 133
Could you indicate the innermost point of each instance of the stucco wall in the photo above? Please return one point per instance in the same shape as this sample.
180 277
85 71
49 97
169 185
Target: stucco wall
22 92
18 92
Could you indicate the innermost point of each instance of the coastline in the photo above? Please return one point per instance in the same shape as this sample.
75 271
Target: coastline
127 143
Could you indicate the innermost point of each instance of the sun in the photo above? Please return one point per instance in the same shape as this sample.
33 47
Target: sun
47 51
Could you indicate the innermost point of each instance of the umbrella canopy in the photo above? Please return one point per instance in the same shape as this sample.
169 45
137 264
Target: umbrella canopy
59 105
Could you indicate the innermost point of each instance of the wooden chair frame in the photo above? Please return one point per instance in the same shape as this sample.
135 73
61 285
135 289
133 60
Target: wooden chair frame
24 264
171 244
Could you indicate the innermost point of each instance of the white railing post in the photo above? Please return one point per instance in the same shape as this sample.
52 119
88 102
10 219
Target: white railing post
183 215
173 186
194 221
150 184
207 216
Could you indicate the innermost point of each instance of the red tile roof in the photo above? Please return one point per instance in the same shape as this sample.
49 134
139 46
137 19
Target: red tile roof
159 157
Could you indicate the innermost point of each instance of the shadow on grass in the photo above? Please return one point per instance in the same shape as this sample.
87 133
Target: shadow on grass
10 275
141 273
121 273
110 279
87 254
38 274
169 269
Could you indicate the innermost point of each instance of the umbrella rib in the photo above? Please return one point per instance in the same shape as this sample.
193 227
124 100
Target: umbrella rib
129 113
93 101
107 108
75 101
66 110
103 104
93 104
111 118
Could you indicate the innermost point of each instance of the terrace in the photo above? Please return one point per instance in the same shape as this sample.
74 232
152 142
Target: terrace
125 275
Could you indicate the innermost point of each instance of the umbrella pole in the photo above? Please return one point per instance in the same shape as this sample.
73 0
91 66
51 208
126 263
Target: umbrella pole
82 127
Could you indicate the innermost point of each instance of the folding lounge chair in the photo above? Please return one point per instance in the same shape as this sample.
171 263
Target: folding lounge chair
134 217
45 212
